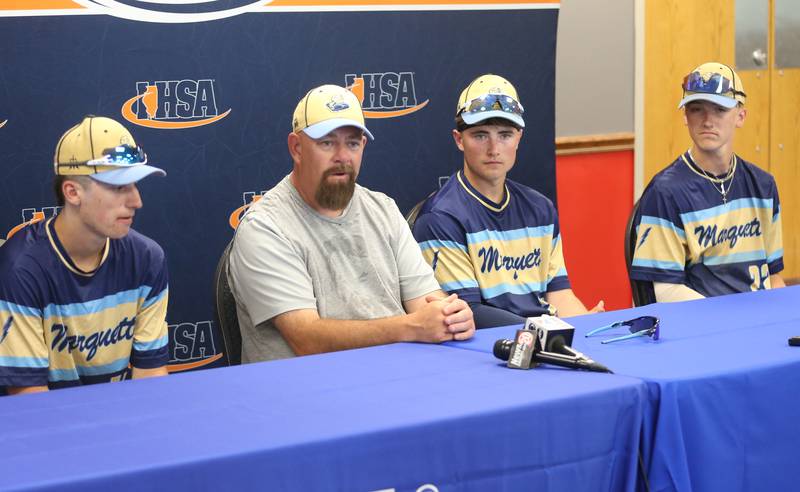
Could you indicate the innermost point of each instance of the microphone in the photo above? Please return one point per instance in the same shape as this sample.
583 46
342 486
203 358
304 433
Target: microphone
554 335
545 339
503 350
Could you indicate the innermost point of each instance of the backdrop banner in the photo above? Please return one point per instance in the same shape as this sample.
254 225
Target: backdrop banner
208 90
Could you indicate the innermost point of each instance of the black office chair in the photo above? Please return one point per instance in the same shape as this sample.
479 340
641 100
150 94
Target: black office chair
411 217
642 291
225 310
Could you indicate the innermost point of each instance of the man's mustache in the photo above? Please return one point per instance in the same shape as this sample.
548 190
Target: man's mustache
337 170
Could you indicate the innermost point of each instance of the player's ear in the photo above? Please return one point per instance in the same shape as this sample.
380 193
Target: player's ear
458 139
73 191
295 147
741 116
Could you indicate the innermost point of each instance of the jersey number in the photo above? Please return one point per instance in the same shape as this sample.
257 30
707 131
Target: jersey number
759 277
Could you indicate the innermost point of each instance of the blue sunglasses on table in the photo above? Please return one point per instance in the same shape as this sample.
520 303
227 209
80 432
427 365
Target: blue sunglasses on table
643 326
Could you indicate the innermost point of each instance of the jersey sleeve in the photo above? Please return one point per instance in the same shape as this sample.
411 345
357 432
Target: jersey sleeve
487 316
661 249
774 237
24 359
557 278
443 243
150 339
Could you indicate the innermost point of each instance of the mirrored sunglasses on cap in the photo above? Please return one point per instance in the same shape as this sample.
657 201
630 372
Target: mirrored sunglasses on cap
121 155
643 326
716 84
493 102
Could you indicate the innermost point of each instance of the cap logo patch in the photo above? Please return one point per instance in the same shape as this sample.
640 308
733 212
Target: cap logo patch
337 104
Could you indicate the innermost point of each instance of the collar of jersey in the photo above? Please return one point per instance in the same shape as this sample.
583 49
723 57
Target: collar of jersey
687 158
494 207
64 256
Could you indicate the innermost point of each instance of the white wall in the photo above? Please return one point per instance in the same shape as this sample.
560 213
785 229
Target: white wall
595 67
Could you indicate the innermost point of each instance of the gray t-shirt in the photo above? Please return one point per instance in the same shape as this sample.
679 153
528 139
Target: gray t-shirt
360 265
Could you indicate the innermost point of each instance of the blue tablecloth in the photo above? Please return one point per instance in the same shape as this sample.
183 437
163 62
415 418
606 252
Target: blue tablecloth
398 416
723 410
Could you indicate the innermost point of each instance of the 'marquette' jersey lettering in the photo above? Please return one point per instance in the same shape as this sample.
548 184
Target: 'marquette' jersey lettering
65 327
505 255
688 235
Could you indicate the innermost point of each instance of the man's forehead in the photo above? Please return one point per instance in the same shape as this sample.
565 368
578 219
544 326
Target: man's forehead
708 104
499 127
345 132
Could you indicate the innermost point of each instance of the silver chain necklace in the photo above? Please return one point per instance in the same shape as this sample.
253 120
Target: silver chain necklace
714 180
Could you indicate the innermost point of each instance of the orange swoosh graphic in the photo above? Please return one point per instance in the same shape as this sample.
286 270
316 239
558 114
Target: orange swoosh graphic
3 123
192 365
37 216
394 114
234 219
128 114
40 5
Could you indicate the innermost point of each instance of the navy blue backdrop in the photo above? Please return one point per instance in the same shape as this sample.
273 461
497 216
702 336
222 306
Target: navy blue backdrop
215 110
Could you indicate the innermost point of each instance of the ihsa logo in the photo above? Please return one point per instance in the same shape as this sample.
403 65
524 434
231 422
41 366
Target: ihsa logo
386 94
173 104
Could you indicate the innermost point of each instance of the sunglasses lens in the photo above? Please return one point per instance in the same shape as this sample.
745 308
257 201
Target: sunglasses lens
716 84
645 323
124 155
495 102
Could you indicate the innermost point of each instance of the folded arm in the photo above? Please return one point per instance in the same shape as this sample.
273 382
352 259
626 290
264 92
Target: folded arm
568 304
776 281
139 373
666 292
430 319
20 390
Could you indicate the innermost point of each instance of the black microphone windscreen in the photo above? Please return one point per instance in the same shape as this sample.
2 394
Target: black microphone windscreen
502 349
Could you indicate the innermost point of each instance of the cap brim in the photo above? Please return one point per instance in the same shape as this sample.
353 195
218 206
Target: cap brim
724 101
127 175
319 130
473 118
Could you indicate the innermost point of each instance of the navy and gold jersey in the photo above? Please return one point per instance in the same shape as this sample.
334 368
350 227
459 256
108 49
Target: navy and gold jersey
506 255
65 327
687 235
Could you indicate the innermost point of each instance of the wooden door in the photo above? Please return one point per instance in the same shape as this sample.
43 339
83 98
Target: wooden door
681 34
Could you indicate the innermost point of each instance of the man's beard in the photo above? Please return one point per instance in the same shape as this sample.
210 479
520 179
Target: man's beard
336 196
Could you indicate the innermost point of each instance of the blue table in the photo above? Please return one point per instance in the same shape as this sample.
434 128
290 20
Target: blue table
723 410
398 416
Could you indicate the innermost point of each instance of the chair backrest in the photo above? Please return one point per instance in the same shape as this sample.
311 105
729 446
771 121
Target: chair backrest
411 217
642 291
225 310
